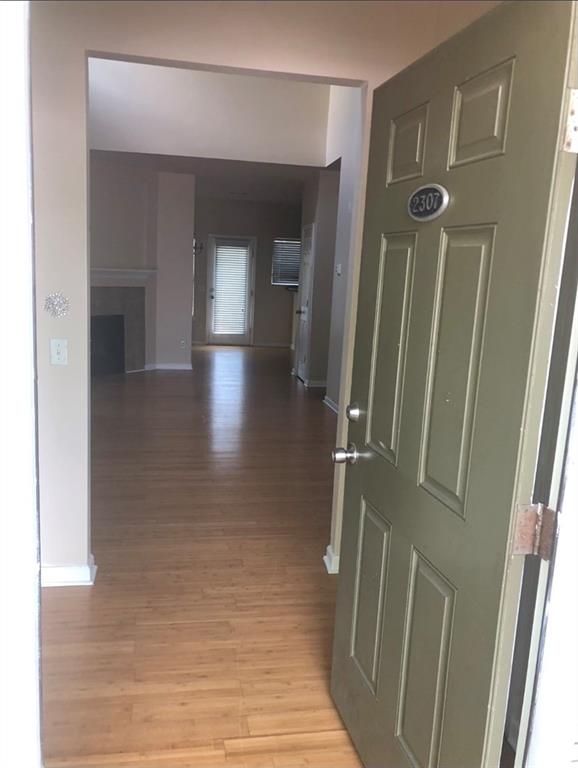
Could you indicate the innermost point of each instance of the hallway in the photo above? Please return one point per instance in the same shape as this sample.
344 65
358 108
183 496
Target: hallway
206 640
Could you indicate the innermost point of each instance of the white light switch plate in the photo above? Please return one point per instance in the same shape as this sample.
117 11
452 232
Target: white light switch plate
59 351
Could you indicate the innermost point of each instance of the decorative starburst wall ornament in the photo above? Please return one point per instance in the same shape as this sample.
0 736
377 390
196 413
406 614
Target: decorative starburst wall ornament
56 304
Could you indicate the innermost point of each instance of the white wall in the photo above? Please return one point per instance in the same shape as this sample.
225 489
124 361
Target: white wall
358 41
164 110
174 294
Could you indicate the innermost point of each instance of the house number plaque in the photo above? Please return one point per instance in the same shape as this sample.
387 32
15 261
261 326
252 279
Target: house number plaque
428 202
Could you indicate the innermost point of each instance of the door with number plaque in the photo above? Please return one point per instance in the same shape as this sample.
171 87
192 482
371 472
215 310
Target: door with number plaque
455 319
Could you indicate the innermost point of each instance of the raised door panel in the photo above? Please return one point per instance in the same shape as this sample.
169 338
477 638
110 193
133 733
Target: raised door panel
480 116
407 137
390 343
426 648
455 352
370 588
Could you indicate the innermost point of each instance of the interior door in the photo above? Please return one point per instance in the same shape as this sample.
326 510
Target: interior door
454 323
304 302
230 309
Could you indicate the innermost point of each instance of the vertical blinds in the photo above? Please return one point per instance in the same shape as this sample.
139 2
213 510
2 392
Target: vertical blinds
231 288
286 261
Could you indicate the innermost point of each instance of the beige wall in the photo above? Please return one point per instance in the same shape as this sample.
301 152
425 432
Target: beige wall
174 295
163 110
361 41
345 140
273 310
122 214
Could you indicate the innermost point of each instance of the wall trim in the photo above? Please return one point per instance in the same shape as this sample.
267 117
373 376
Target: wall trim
331 560
331 404
313 384
136 370
69 575
169 367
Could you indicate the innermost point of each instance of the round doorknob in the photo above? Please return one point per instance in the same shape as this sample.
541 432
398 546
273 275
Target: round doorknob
345 455
353 412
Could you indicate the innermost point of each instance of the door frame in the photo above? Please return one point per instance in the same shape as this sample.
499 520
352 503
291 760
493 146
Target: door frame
211 242
305 378
553 705
555 438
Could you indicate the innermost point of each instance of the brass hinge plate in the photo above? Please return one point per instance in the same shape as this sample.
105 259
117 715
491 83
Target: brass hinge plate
570 142
536 526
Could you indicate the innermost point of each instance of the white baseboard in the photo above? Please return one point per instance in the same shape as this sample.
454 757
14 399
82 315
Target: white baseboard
331 404
136 370
312 384
331 560
69 575
169 367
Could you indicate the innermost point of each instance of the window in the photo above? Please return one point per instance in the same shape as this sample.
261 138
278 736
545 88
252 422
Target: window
286 261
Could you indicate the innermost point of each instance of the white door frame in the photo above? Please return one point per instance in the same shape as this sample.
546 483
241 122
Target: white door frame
553 732
550 713
308 301
231 340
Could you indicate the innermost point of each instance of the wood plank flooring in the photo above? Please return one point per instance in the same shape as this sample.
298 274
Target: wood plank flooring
206 640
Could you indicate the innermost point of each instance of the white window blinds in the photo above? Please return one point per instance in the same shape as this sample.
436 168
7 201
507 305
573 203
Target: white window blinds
286 261
231 288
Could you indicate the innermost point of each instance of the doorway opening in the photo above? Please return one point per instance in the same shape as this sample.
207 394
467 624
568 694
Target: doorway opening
211 472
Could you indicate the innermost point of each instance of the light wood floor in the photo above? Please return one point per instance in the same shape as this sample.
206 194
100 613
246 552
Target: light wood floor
206 640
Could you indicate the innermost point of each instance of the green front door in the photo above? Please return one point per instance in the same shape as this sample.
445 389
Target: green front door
453 330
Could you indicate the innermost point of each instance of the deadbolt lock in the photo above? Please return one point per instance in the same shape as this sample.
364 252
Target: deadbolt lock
353 411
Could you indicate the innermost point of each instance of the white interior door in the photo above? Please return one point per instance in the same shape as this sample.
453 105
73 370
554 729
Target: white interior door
231 274
304 302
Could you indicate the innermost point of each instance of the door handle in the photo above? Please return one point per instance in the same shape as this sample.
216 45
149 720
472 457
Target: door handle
353 412
347 455
299 311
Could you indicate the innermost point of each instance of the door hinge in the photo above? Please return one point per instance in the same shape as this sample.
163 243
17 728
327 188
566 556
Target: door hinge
536 526
571 130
